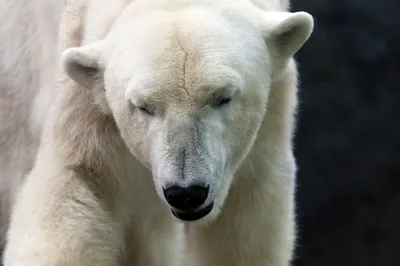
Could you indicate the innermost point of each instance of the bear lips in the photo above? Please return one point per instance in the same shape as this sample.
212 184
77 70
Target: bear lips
193 215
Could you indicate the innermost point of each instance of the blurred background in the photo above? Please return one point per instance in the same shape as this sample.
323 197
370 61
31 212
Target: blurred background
348 137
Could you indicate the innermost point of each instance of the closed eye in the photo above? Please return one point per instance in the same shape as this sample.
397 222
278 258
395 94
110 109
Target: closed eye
223 101
145 110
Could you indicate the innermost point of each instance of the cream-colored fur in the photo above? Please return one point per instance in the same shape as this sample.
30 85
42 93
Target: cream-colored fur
28 33
94 195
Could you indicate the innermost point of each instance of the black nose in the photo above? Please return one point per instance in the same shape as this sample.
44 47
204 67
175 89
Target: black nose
186 199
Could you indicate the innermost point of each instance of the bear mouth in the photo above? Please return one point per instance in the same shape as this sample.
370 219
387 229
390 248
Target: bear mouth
193 215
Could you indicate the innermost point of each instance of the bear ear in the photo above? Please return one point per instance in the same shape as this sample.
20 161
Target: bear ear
286 32
83 64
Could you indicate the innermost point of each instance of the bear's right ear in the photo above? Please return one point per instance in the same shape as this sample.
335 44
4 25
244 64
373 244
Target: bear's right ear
83 64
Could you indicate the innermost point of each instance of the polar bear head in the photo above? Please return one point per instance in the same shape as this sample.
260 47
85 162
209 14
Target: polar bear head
188 86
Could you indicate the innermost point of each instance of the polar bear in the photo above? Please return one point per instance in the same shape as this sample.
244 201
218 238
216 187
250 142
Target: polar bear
169 138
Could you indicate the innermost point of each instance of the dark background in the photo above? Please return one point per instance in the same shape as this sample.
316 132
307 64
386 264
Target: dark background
348 135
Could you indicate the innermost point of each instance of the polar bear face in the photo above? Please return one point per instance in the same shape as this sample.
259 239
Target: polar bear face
188 88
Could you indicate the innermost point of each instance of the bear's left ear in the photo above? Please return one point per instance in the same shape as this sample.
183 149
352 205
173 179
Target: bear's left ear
83 64
285 32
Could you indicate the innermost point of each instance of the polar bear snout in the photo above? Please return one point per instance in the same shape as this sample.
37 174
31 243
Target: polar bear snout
187 202
186 198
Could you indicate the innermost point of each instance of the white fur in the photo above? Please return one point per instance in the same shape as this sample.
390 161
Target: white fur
94 195
28 33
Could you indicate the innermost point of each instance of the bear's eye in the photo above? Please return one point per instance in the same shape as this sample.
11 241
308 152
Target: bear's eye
223 101
145 110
